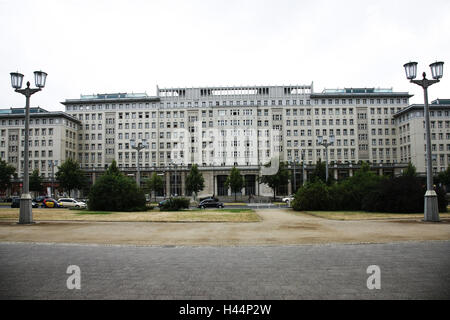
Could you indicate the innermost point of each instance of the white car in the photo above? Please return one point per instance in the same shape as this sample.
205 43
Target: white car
288 199
71 203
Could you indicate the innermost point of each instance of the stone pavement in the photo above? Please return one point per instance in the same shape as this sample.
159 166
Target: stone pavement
409 270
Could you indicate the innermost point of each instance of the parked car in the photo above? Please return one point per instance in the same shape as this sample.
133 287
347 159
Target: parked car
288 199
210 203
40 199
7 199
71 203
208 198
162 202
15 203
50 203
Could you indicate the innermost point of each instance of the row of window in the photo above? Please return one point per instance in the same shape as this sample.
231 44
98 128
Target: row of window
273 102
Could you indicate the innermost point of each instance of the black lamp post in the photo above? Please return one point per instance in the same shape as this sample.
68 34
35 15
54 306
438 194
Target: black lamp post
138 147
323 142
431 210
26 214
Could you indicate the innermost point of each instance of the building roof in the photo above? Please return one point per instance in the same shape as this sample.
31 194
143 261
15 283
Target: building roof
438 104
441 101
111 97
359 92
22 110
36 112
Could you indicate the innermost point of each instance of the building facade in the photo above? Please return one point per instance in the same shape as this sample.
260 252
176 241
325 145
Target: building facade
52 140
221 127
412 140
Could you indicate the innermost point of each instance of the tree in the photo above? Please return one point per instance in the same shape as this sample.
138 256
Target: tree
70 176
155 183
6 171
313 196
410 171
235 181
194 181
36 181
277 180
319 172
114 191
444 178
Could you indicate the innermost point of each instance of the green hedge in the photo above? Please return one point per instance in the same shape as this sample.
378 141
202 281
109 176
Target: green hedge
116 192
404 194
175 204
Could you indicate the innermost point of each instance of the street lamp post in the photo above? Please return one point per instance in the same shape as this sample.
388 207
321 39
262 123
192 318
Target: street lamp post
326 144
175 189
138 147
294 163
431 211
52 163
303 167
26 214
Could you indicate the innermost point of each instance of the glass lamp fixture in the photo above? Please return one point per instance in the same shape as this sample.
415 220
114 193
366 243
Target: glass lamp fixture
16 80
39 78
319 140
437 69
411 70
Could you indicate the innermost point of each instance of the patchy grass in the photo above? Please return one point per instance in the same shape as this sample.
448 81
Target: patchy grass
207 215
362 215
93 212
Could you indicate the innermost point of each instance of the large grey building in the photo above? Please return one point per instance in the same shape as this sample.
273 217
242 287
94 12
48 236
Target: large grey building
219 127
222 127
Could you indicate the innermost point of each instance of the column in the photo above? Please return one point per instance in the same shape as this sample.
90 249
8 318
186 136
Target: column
167 177
183 187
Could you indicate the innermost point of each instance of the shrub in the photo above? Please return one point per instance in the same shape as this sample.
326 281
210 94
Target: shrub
115 192
404 194
175 204
312 196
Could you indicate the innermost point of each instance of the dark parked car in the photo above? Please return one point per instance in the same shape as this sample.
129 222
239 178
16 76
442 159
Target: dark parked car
210 203
40 199
162 202
15 203
209 198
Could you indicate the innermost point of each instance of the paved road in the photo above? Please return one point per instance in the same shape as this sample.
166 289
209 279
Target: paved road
409 270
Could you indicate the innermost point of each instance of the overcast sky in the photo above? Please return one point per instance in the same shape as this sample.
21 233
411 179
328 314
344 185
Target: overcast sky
100 46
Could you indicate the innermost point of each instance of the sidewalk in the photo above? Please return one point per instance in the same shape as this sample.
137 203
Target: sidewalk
277 227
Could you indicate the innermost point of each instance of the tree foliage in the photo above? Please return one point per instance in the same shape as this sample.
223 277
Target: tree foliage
194 181
6 171
36 181
410 171
312 196
369 192
235 181
319 172
155 183
70 176
277 180
114 191
444 177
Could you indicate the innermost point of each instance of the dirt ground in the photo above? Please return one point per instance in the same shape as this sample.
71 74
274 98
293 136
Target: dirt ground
278 226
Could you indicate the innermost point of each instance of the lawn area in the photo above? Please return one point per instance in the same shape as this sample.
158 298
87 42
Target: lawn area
362 215
196 215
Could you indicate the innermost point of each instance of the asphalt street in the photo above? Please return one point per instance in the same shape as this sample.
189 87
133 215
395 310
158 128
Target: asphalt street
408 270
